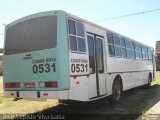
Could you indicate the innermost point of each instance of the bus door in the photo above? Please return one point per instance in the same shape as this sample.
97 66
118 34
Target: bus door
96 65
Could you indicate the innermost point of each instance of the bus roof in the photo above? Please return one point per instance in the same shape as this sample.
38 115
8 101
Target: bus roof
47 13
106 29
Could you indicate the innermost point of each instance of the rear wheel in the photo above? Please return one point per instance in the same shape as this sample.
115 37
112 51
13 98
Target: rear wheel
149 80
116 91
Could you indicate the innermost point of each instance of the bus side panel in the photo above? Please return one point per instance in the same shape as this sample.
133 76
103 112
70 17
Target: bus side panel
134 74
79 82
63 51
79 88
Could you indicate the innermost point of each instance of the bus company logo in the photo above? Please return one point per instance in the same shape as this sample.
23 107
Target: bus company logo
43 60
79 60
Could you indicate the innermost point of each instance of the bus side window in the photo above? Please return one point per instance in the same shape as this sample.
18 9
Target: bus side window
73 43
111 44
117 47
72 27
128 49
111 50
133 52
150 54
128 45
116 40
144 51
123 48
129 53
80 29
110 38
81 44
76 36
118 51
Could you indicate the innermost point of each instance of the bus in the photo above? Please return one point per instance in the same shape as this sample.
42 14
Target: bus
56 55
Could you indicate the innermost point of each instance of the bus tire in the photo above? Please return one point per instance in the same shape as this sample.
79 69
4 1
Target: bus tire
149 80
116 91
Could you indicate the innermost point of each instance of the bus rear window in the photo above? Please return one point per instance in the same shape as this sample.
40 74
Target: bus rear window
32 35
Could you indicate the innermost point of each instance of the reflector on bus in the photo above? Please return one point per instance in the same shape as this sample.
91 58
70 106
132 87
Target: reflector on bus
29 85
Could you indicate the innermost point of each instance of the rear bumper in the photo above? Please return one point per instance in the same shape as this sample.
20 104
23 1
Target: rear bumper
37 94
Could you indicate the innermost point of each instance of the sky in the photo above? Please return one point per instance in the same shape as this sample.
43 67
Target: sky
144 28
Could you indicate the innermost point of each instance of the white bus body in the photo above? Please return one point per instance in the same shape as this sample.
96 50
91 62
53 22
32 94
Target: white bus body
95 64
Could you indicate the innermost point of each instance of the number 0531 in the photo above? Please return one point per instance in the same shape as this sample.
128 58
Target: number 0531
40 68
79 68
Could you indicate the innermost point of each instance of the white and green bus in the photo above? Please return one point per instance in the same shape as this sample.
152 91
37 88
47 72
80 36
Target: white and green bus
56 55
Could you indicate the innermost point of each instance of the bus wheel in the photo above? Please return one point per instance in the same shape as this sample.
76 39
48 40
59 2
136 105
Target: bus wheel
149 80
116 91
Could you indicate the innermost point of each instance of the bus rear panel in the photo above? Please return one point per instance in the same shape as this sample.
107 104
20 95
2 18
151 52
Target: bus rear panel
35 60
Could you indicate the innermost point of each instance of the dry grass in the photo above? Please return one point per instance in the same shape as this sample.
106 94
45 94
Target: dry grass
7 106
157 81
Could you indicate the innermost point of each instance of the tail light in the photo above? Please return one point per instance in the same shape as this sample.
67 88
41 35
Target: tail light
49 84
12 85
